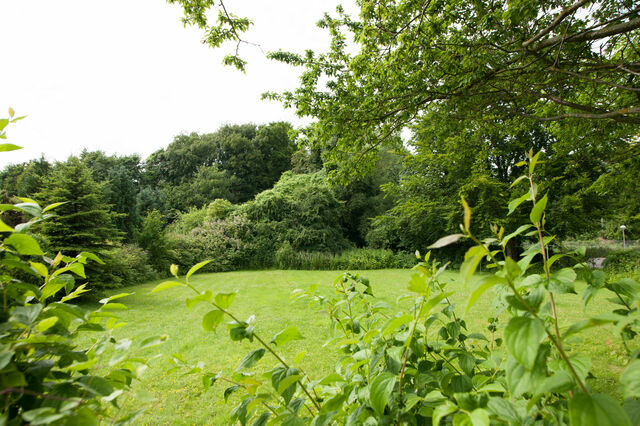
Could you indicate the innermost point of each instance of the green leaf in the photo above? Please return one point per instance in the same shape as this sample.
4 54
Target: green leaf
418 283
224 300
4 147
442 411
287 382
251 359
396 323
195 267
514 234
515 182
212 319
29 206
472 258
205 296
53 206
46 324
41 416
533 162
78 269
286 335
262 420
589 323
380 391
479 417
630 380
331 379
504 410
513 204
24 244
114 297
433 302
174 270
482 286
559 382
166 285
52 287
445 241
87 255
596 410
523 336
115 307
39 268
76 293
625 286
5 228
299 357
632 408
153 341
538 209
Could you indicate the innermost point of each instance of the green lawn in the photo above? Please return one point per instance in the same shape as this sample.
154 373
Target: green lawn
178 399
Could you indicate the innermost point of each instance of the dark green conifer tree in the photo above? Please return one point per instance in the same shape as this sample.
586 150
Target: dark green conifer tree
84 222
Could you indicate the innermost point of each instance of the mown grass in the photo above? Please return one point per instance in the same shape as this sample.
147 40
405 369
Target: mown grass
179 398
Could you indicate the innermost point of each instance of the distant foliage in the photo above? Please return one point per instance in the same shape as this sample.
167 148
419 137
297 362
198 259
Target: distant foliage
353 259
623 263
127 264
234 163
230 242
152 237
300 209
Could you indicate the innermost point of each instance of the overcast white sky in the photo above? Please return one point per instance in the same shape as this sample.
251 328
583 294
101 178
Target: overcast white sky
125 76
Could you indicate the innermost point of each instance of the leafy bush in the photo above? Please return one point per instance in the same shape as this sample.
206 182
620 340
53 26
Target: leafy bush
420 365
226 241
152 237
300 209
188 221
59 363
623 262
288 258
127 264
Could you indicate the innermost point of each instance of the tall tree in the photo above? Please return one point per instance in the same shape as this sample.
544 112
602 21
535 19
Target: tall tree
559 60
84 222
121 177
236 163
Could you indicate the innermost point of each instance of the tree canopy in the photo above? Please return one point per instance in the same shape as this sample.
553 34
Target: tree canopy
540 61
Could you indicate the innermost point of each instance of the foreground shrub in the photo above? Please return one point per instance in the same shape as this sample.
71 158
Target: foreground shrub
420 365
47 375
59 363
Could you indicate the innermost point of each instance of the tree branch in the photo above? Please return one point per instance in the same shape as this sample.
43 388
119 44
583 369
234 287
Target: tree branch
566 12
589 35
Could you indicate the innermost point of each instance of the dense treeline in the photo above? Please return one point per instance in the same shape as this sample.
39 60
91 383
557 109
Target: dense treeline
241 196
248 197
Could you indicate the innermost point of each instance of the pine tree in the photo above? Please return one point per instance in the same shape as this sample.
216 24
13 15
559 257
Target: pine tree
84 222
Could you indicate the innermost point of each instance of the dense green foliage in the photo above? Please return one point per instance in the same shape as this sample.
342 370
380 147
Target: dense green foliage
234 163
84 221
47 375
354 259
478 85
421 364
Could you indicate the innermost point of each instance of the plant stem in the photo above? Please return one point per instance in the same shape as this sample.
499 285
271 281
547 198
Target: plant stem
265 345
406 353
546 269
557 343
